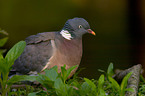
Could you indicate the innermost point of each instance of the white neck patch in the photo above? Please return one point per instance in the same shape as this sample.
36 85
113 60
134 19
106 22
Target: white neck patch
66 34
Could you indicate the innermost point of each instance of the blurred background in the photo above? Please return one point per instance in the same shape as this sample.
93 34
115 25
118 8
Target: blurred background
119 25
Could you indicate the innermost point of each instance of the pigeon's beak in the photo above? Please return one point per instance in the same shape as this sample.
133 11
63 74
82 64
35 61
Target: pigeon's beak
91 32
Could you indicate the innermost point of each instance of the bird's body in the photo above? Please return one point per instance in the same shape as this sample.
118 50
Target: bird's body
45 50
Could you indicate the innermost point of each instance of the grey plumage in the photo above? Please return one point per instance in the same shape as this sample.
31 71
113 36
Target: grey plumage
36 54
48 49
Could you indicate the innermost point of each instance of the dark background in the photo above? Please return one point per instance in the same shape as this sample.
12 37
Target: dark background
119 25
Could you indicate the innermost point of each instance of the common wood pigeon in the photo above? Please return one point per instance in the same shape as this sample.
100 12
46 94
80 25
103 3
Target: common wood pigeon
45 50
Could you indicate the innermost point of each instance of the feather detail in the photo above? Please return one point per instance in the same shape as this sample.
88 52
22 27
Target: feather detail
66 34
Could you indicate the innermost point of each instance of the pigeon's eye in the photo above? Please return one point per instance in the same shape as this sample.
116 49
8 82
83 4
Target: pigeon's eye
80 26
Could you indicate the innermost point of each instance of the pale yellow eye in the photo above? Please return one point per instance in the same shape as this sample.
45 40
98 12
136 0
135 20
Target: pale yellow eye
80 26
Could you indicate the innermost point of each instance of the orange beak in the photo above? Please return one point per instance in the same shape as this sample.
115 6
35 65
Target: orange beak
91 32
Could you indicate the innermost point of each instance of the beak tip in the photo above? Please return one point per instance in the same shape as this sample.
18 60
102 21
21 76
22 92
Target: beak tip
91 32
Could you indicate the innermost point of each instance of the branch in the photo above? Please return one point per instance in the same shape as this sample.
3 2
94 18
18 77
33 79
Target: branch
133 81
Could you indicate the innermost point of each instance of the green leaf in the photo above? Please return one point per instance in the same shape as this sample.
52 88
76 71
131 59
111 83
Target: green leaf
114 83
32 94
93 86
40 78
60 88
52 73
3 67
102 92
15 52
110 70
17 78
124 81
48 84
101 81
85 87
40 93
65 73
45 81
1 57
54 68
58 83
142 78
75 83
129 89
3 41
100 70
69 70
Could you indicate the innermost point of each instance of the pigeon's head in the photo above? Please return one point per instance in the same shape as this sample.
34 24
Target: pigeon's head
75 28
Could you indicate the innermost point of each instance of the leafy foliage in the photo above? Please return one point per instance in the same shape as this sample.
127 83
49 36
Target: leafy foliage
109 72
56 84
141 90
6 64
121 88
3 41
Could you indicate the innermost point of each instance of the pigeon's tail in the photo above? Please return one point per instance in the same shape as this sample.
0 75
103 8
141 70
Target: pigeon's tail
13 72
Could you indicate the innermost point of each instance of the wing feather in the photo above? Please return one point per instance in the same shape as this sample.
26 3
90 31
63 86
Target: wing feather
37 53
40 37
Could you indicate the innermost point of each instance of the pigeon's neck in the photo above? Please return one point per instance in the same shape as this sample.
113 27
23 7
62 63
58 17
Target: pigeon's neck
68 45
65 34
